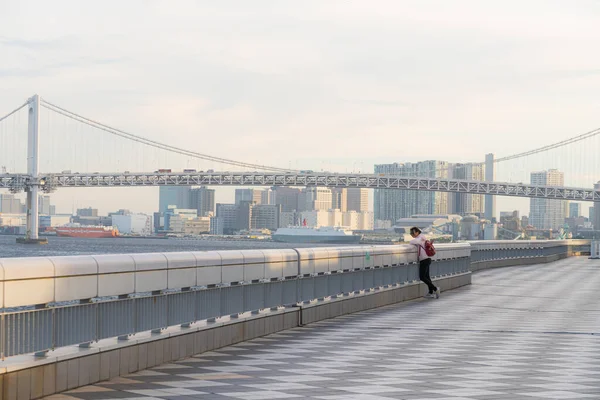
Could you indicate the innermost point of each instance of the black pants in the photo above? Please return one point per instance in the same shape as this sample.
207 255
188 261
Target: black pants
424 274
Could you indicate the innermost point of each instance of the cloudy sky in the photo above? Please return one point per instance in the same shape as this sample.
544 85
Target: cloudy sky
338 85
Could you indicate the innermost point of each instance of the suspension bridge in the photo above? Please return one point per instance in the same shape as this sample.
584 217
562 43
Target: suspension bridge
95 146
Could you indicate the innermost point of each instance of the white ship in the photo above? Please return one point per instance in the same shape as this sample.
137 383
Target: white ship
325 234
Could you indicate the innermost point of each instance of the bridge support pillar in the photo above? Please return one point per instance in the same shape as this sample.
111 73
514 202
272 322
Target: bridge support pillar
490 176
33 149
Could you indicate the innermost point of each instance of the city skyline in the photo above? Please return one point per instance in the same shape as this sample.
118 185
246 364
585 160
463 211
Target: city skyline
333 70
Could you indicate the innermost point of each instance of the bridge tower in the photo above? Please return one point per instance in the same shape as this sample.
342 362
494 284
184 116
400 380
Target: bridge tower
490 200
33 159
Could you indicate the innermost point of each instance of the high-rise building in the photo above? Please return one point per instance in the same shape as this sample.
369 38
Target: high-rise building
543 213
258 196
178 196
203 200
265 216
52 209
315 198
339 199
9 204
287 197
393 204
465 203
44 205
87 212
358 199
227 213
574 210
243 220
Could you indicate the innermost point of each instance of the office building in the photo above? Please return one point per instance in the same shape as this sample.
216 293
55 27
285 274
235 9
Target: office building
44 205
511 220
318 218
339 199
543 213
227 213
465 203
287 197
47 221
358 200
265 216
203 200
178 196
315 198
243 220
574 210
393 204
10 205
197 226
87 212
257 196
175 218
216 226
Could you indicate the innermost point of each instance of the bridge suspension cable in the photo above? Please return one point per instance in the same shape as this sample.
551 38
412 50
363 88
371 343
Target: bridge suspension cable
153 143
562 143
12 112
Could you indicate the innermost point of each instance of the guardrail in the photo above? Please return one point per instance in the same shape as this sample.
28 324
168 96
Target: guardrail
495 250
51 302
595 249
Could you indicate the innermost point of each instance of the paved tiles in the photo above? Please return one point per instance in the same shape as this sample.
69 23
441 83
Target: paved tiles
516 333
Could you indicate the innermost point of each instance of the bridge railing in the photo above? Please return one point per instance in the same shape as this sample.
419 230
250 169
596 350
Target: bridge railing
51 302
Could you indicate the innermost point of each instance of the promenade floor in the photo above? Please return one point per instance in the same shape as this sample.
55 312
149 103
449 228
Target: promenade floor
529 332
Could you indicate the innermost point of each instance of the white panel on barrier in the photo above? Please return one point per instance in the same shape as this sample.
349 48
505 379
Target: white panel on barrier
273 264
321 260
232 266
28 281
307 261
346 256
254 265
359 255
405 254
150 272
290 263
208 271
377 255
116 274
69 283
335 261
181 270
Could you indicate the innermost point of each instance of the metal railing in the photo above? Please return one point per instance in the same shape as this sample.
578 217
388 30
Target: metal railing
51 302
490 250
61 301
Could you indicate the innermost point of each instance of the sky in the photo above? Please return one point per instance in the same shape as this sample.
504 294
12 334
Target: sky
334 85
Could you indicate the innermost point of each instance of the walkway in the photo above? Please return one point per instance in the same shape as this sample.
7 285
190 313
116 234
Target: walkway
517 333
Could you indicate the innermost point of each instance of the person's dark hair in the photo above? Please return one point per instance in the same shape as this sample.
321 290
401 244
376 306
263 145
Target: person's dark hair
416 230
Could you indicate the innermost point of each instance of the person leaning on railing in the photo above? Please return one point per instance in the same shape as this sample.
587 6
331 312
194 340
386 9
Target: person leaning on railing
424 262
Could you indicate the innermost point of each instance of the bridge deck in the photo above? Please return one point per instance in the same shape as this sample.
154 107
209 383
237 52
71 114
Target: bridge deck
517 333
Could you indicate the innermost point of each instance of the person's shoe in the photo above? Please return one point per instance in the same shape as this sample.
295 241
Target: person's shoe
437 292
429 296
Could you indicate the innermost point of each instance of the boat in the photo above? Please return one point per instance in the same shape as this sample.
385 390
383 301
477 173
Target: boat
87 231
324 234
